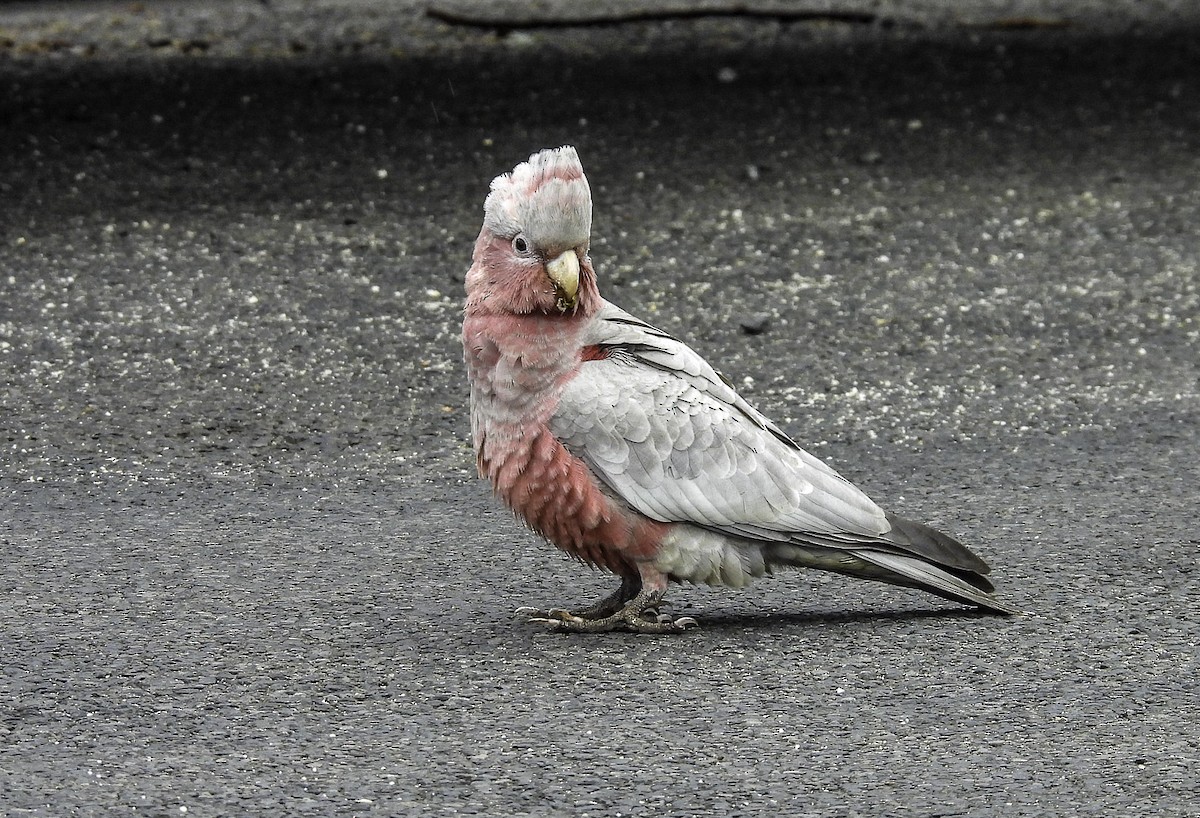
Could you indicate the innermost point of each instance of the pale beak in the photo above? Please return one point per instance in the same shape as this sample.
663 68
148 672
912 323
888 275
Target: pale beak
564 272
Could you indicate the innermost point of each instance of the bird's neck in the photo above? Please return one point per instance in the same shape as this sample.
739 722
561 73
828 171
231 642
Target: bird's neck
517 365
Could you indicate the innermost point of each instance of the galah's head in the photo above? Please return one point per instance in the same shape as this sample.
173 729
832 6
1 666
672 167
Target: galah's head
531 255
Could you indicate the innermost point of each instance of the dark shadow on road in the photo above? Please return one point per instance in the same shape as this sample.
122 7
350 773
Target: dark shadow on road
840 619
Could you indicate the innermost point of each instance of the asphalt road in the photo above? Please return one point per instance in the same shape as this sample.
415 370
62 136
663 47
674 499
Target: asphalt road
245 568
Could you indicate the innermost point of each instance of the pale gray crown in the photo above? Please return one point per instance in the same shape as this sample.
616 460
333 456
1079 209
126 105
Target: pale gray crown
546 198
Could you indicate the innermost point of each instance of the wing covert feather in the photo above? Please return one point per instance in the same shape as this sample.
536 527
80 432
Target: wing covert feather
661 428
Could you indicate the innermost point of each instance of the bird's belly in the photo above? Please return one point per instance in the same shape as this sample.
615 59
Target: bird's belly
689 553
558 496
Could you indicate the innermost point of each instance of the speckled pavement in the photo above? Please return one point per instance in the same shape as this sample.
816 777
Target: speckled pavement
245 567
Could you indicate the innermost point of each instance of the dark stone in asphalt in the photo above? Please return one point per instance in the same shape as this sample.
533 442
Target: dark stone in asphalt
245 568
755 324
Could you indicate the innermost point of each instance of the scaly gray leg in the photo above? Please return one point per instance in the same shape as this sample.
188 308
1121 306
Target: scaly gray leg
631 608
630 587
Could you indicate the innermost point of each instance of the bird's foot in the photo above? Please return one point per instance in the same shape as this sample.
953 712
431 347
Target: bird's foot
611 604
633 607
557 619
565 623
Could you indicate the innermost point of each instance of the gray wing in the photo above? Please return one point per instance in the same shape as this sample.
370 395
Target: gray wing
666 433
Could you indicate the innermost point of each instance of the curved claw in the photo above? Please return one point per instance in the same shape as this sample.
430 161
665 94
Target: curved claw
547 622
545 614
682 623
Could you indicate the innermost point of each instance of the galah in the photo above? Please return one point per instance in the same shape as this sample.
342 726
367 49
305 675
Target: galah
623 447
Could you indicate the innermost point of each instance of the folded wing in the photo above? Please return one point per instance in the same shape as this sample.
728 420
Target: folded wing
666 433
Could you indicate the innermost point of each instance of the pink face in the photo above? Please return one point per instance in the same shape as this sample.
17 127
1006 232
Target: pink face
510 275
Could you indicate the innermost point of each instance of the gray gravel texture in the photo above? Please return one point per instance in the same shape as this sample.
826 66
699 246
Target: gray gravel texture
245 568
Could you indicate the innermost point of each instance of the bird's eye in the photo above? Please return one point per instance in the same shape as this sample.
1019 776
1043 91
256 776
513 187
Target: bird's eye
520 245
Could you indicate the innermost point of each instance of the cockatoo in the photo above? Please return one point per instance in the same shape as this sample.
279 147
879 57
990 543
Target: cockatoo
623 447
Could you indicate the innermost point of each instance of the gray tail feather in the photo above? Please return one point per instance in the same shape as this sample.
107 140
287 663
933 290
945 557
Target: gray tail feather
934 546
959 585
884 562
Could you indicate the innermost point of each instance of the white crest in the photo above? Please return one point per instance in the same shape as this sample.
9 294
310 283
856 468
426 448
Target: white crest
547 199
